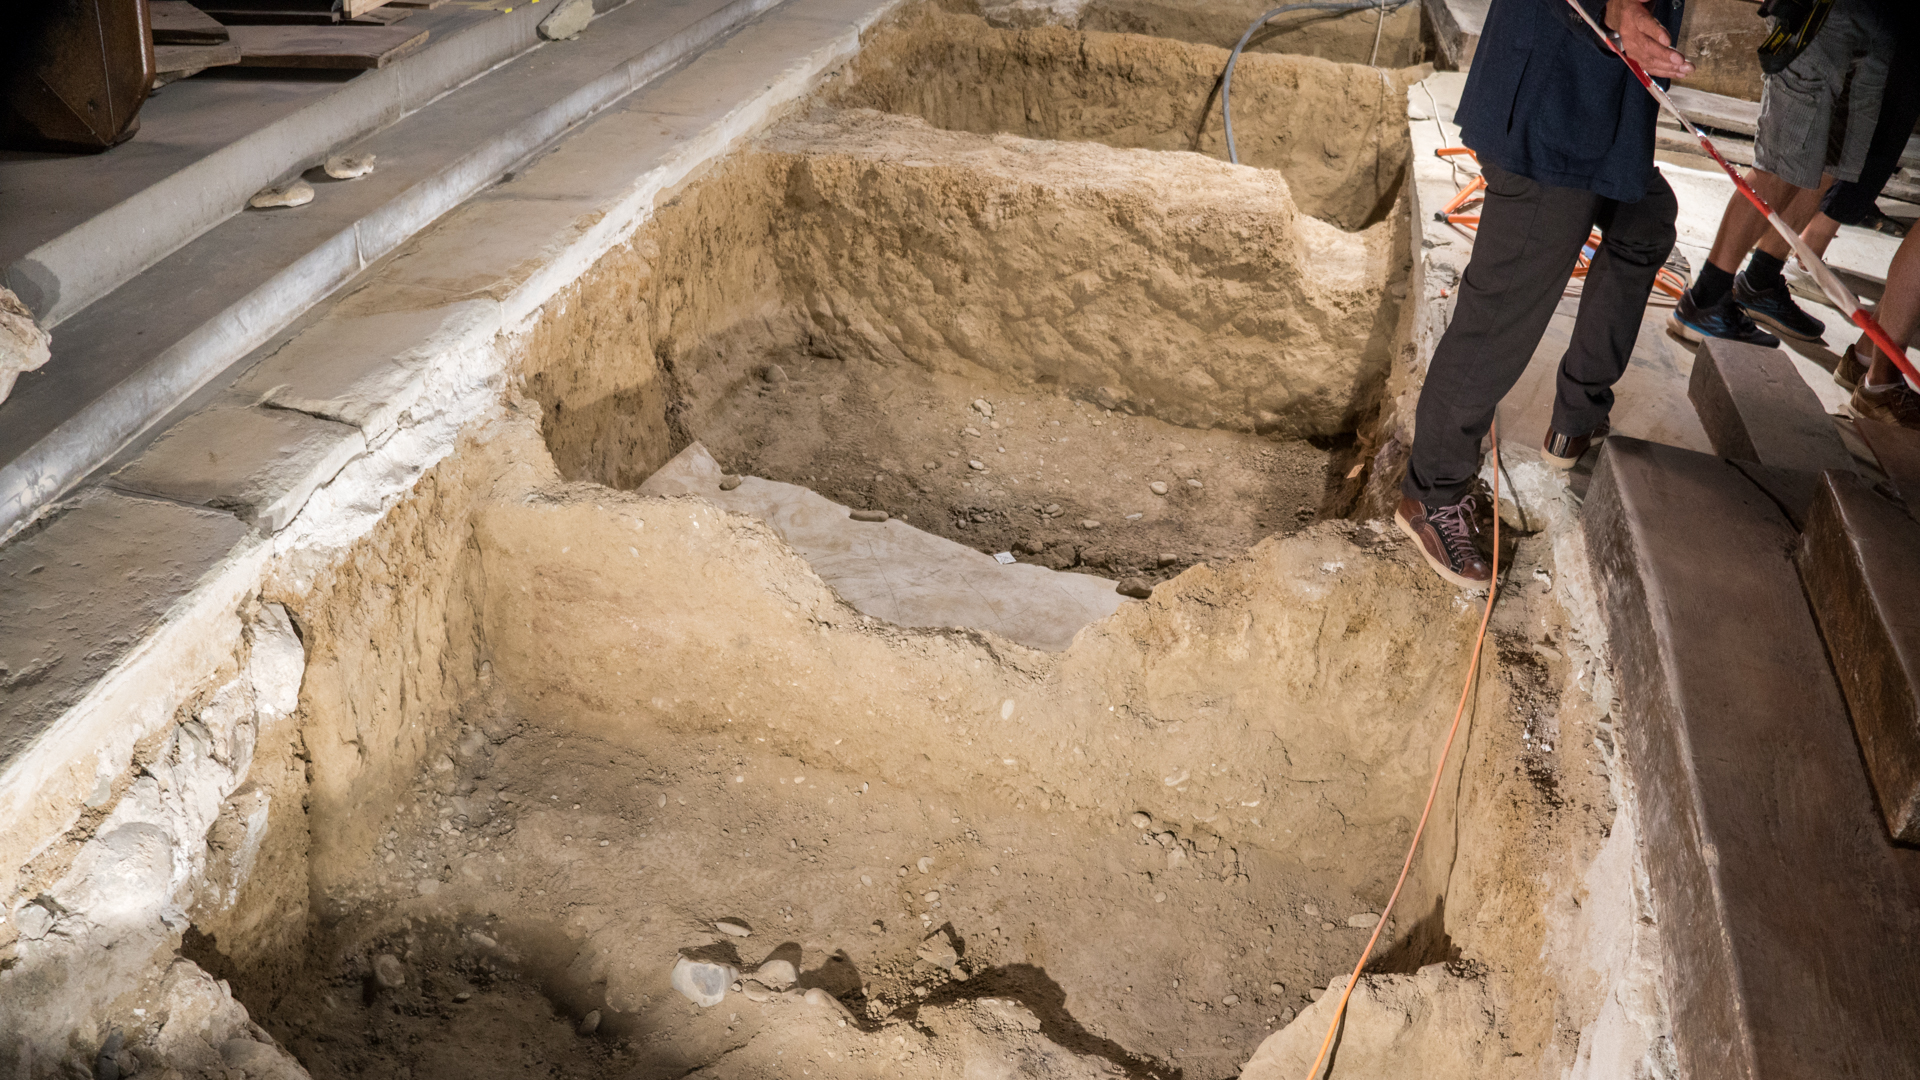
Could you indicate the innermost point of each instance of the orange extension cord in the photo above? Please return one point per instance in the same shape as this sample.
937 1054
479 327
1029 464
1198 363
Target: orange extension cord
1439 770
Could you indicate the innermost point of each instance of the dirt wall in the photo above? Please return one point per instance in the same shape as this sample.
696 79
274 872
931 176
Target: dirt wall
1347 37
1337 132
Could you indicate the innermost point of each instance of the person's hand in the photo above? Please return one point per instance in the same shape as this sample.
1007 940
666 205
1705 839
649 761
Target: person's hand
1644 40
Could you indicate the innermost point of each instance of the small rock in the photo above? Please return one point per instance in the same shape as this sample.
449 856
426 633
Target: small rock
1176 778
1326 926
1136 587
755 992
1158 487
1310 909
931 465
981 406
931 896
817 996
938 950
1366 920
1167 558
1159 898
733 927
388 972
869 515
878 927
567 20
866 879
1089 523
773 373
925 864
1230 1000
973 431
1276 988
33 921
977 466
729 482
703 984
1051 510
348 166
1195 483
777 974
1140 819
297 193
463 997
589 1023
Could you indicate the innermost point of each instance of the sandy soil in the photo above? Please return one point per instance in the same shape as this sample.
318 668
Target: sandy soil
1063 483
674 725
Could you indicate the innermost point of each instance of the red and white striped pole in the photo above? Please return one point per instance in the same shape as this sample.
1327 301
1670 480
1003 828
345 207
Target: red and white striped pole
1829 282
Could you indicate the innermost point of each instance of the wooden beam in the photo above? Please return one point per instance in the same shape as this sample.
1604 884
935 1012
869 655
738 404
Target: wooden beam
349 47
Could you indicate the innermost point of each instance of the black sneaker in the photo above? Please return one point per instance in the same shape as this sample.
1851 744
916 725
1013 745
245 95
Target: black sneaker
1774 307
1725 319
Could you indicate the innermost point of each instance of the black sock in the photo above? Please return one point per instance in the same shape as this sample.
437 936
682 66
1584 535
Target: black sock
1711 286
1763 271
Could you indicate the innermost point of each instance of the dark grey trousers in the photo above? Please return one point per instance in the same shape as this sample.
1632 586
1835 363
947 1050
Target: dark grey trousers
1530 236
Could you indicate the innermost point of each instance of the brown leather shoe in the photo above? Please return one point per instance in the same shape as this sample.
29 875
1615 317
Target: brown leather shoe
1894 403
1445 540
1564 451
1851 367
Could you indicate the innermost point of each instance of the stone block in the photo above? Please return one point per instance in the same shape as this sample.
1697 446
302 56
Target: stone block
82 592
1898 451
1860 560
258 463
1756 407
1788 918
365 369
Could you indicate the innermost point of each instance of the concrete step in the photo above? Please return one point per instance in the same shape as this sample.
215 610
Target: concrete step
126 360
1860 560
1789 920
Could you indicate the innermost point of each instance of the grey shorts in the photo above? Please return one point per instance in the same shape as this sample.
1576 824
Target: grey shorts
1796 139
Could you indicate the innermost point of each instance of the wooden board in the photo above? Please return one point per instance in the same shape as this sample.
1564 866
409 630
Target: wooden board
347 47
176 22
421 5
353 9
172 63
1722 38
385 15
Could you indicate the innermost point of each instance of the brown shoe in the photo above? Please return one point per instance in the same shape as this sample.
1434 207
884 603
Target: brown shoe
1564 451
1445 540
1850 369
1894 403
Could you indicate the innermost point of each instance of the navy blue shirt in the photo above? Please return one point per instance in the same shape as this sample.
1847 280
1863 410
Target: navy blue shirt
1547 100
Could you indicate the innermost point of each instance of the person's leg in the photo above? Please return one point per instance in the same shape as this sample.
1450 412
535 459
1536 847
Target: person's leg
1637 238
1761 289
1790 151
1883 394
1529 238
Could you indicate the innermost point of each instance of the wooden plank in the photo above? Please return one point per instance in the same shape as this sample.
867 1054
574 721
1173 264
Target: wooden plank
353 9
347 47
423 5
176 22
1898 451
171 63
1857 560
1720 37
385 15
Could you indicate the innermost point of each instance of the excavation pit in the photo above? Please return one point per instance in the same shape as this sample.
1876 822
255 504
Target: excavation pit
557 732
